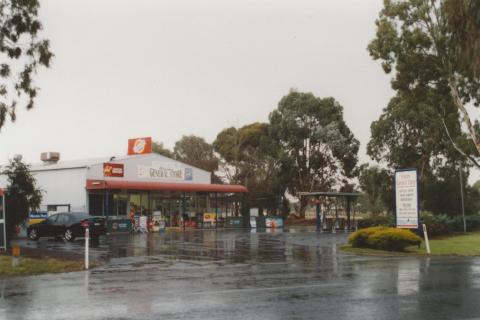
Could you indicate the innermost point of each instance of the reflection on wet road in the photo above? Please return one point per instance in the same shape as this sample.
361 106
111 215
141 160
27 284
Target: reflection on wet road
238 274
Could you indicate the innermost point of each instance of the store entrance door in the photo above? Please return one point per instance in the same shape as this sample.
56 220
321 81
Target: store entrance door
139 207
169 206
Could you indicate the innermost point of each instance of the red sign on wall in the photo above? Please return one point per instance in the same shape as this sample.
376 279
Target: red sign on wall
113 170
139 146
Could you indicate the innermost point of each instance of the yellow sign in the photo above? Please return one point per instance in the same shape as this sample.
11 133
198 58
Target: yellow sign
35 220
209 217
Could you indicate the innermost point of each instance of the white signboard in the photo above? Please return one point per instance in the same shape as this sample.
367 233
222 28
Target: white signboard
164 171
406 199
253 222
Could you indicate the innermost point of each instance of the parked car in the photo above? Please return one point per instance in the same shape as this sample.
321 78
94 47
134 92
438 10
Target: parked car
68 225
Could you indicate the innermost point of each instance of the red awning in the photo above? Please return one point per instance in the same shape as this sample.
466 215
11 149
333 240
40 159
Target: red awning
164 186
1 192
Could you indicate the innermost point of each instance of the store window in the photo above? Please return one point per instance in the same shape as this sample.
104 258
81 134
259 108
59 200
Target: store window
95 204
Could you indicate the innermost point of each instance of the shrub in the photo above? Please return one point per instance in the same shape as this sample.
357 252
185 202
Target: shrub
393 239
437 224
384 238
374 220
359 238
473 223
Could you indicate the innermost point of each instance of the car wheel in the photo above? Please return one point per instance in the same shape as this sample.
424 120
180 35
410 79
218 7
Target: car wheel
33 234
69 235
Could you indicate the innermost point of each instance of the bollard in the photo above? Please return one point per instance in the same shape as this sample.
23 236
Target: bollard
15 255
87 244
16 251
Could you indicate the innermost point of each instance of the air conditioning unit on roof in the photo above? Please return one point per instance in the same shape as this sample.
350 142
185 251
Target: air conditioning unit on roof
50 157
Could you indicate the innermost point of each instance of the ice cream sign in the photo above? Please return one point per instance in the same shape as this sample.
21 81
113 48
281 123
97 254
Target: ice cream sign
139 146
165 171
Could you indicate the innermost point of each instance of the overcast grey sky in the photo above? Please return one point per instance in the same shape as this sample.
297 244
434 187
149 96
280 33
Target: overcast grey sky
137 68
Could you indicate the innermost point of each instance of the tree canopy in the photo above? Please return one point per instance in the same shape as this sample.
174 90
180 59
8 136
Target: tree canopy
158 147
197 152
316 145
249 156
22 53
410 133
22 194
426 43
376 185
317 150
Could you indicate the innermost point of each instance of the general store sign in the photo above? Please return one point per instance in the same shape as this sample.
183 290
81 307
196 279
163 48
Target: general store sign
113 170
165 171
406 198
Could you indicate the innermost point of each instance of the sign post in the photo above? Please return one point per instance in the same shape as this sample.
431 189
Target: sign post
406 199
425 234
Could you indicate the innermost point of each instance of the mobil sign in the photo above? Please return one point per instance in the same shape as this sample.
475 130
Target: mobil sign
139 146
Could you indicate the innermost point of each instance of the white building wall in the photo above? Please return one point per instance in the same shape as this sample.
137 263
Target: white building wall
66 186
64 183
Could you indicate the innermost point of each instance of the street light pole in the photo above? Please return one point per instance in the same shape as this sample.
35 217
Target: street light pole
461 195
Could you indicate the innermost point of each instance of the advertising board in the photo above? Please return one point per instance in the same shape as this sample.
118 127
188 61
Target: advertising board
406 198
139 146
273 222
113 170
209 217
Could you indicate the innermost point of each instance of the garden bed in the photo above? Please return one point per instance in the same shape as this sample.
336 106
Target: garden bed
10 266
455 245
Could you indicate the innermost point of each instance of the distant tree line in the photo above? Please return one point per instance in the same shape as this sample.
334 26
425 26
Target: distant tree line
305 146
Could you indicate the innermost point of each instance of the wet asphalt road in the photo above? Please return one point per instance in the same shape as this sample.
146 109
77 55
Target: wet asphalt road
238 274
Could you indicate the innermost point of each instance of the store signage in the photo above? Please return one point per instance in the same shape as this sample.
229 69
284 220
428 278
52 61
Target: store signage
165 171
139 146
209 217
113 170
274 222
406 198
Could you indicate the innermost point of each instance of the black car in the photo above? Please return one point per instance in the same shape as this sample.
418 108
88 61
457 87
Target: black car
68 225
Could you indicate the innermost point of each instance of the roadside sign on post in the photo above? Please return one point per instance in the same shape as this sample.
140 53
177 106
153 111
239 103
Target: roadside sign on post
406 199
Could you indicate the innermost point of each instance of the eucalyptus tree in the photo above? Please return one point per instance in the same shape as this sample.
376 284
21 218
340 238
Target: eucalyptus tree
249 156
22 51
432 46
316 148
197 152
23 194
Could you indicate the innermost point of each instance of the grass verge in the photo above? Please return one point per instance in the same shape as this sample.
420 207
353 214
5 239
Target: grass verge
456 245
27 266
